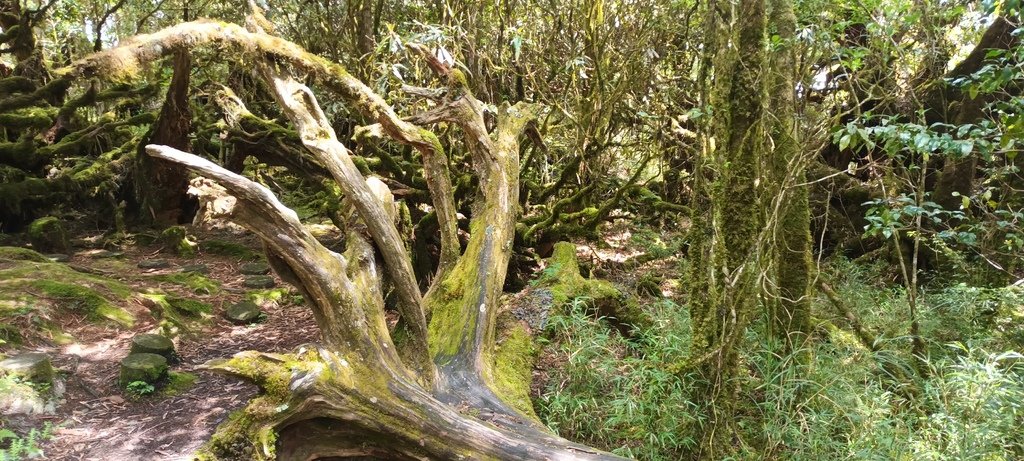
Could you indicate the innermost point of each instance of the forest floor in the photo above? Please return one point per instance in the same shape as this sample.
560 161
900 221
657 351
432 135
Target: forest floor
94 419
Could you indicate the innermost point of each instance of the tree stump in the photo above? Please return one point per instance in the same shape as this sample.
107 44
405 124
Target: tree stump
145 367
34 366
154 344
243 313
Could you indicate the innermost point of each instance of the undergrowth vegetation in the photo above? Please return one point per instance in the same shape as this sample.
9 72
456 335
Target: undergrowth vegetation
847 402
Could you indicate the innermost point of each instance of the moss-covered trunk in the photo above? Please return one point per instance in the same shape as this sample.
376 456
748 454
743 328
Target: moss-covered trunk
790 314
730 253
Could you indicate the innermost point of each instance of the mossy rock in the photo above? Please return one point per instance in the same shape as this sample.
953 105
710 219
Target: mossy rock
154 264
176 238
259 281
256 268
34 366
22 254
154 344
148 368
48 235
242 313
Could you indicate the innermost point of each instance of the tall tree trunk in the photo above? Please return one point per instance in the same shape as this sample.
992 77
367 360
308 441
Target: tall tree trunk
790 316
160 186
730 253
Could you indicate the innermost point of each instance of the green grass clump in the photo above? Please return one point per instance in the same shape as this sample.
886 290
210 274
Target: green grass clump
616 394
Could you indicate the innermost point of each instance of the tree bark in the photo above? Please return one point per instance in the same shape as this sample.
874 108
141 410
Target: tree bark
790 316
160 185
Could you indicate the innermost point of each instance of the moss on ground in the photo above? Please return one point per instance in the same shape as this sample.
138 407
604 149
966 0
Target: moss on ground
177 315
198 283
22 254
31 286
177 382
225 248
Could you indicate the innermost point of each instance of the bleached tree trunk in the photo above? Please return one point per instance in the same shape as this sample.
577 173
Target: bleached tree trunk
434 394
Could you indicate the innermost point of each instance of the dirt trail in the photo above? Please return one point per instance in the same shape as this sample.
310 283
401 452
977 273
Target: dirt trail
97 421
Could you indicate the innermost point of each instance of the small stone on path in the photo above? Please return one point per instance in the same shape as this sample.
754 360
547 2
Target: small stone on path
154 344
243 312
256 268
259 281
103 254
196 268
154 264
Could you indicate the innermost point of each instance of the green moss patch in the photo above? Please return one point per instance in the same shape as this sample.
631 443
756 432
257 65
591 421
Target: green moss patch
38 291
513 369
231 249
22 254
177 315
177 382
198 283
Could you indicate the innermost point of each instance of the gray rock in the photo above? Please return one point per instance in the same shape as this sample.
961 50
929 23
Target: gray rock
104 254
243 312
154 344
34 366
58 258
154 264
259 281
256 268
196 268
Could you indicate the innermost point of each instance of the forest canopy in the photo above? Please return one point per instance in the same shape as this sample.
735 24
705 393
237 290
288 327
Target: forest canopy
519 229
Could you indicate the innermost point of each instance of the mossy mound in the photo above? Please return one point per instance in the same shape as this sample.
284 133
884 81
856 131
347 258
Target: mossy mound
177 382
176 239
147 368
197 282
48 235
563 280
33 286
177 315
22 254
